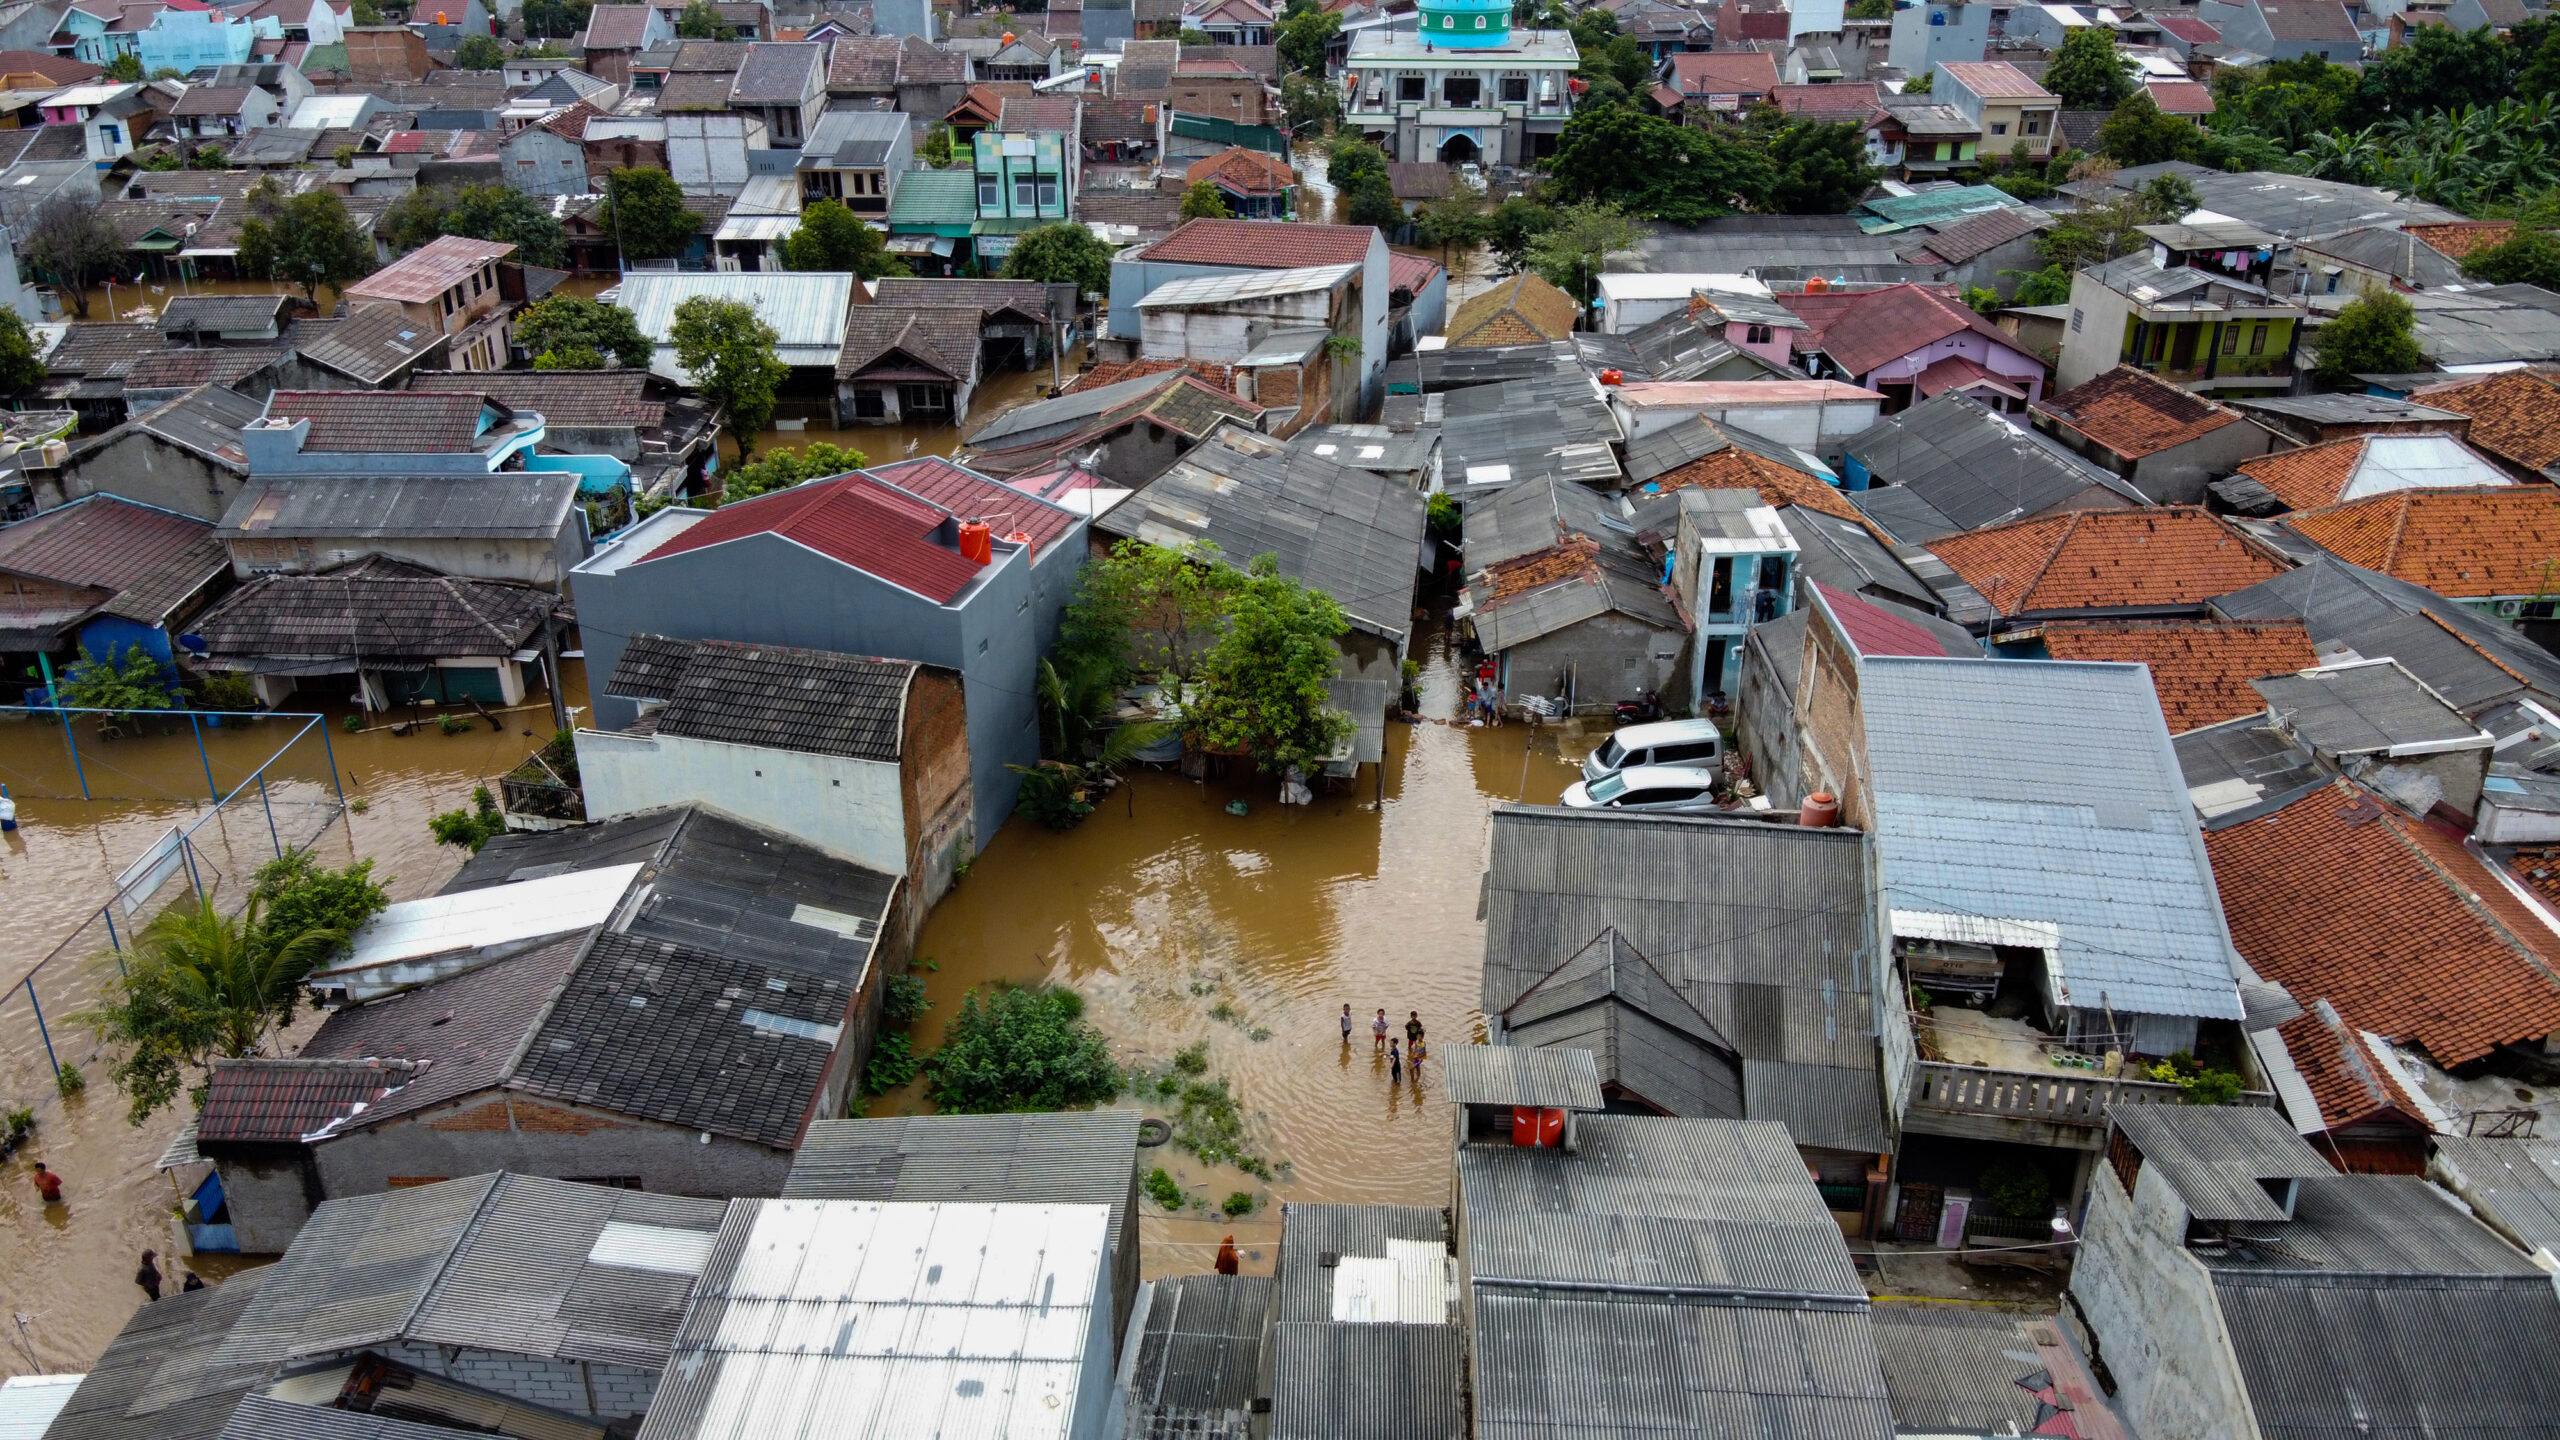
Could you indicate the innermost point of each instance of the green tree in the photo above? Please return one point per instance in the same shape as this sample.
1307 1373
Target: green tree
572 322
2087 73
197 985
552 19
479 52
469 829
1869 10
1514 223
2136 133
1350 159
1146 610
296 895
2095 234
1821 169
2048 286
1191 37
136 681
125 69
509 216
1266 685
72 244
782 469
1303 37
2437 68
700 22
1020 1048
937 147
1370 200
158 157
830 237
2373 334
1202 200
208 157
644 212
1458 220
1920 84
2287 101
308 240
1307 103
2529 257
729 351
1062 254
1654 169
20 370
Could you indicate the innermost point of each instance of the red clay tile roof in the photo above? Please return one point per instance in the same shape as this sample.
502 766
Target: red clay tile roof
2515 416
2181 97
1247 172
2168 555
1859 101
1724 72
2135 413
2462 544
1112 372
430 270
1876 630
852 519
973 496
1871 328
2200 669
1263 244
60 69
281 1101
1734 468
2458 238
1956 372
2340 897
1410 272
2346 1079
2308 478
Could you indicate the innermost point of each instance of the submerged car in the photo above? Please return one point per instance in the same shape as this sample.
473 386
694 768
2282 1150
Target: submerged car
1675 789
1664 742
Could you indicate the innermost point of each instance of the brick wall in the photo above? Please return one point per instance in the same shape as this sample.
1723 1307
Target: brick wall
1835 725
576 1387
933 779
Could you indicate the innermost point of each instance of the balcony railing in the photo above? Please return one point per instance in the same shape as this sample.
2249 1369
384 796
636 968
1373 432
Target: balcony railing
2054 1099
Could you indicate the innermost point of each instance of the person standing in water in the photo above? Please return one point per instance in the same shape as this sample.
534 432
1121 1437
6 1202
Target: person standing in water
48 1184
1395 1064
148 1277
1346 1024
1378 1032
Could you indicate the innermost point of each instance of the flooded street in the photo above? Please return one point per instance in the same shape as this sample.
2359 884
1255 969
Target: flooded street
998 392
1180 923
68 1269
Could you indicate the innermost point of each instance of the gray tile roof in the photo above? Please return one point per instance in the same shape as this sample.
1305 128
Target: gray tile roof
1847 556
2215 1156
1971 468
1646 1037
2438 640
191 313
572 399
2247 767
393 614
2361 709
1760 1327
1618 580
370 343
2049 794
1355 535
1063 1158
1309 1233
772 697
1367 1382
512 504
1762 929
207 421
780 73
1198 1365
1526 519
469 1028
526 855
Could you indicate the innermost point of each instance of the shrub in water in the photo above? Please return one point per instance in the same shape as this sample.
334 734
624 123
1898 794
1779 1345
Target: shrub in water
1020 1048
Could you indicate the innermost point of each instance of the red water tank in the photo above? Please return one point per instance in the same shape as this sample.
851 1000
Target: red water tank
1023 539
1551 1128
1613 377
1524 1125
1821 808
1816 285
977 542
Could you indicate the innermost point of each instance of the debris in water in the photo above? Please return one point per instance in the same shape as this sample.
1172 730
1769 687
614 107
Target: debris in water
1237 807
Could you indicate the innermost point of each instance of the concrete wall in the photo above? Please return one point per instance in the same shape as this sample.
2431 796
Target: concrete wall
1764 714
2178 475
1610 657
1926 34
543 562
1993 356
270 1191
933 784
848 808
133 465
1133 278
1821 427
543 162
500 1130
577 1387
729 592
2150 1307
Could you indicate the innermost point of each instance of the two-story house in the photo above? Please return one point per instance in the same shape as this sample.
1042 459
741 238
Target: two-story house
2186 312
2010 108
1466 88
784 84
856 157
2291 30
110 117
387 432
1218 248
1029 165
223 112
450 285
189 40
615 33
1723 82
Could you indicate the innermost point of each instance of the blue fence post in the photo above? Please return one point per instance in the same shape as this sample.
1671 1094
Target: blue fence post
114 941
40 1030
74 742
187 847
210 788
272 838
331 752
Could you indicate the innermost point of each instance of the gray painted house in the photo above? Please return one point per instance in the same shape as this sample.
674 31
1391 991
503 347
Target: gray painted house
867 563
1214 248
183 456
2292 30
496 1022
539 160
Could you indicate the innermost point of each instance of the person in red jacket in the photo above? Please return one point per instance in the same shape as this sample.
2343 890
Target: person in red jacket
48 1184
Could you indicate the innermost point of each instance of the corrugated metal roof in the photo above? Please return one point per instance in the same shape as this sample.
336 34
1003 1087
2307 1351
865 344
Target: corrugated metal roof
2214 1156
807 311
1953 1366
523 910
1311 1233
2366 707
2050 793
2448 645
2438 1356
513 504
867 1320
2360 1227
163 1351
1062 1158
1198 1366
2514 1184
1511 1075
263 1417
1251 285
1970 467
1367 1382
28 1403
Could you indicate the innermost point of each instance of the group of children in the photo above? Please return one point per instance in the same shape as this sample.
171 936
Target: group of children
1396 1054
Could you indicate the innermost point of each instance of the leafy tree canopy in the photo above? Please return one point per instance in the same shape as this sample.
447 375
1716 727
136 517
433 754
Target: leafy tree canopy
1266 685
1202 200
644 211
700 22
730 353
483 212
71 243
1510 227
1821 168
125 69
782 469
479 52
1146 609
2530 257
1018 1048
1654 169
2375 333
2087 73
563 323
19 367
1920 84
308 240
831 237
134 681
2436 68
2136 133
1306 102
1062 254
1303 37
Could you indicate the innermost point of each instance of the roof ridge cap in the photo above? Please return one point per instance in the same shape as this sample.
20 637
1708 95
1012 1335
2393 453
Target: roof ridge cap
2070 527
2468 898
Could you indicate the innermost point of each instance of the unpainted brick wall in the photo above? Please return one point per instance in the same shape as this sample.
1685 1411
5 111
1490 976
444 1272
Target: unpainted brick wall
618 1391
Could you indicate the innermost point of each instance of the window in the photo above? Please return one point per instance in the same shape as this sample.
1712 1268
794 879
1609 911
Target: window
1757 335
1515 89
1462 92
2075 320
1685 752
2230 339
869 405
2333 282
2034 126
1999 127
916 400
1408 87
990 193
2258 339
1026 193
1048 192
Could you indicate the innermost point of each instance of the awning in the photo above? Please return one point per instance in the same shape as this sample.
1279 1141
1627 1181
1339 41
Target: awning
756 227
921 245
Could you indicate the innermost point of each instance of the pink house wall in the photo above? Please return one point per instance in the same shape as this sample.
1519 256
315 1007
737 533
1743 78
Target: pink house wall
1777 349
2009 364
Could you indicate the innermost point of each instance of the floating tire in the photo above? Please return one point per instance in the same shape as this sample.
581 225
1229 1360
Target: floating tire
1152 1132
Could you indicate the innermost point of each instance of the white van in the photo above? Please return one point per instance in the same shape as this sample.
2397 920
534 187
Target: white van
1665 742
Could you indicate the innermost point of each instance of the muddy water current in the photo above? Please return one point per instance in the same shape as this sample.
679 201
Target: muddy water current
1181 923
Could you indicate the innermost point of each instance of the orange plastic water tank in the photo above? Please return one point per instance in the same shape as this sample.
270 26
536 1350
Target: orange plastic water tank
1524 1125
1613 377
1023 539
440 17
977 542
1816 285
1551 1128
1821 808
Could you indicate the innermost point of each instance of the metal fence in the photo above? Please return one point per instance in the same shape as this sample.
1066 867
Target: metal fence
285 804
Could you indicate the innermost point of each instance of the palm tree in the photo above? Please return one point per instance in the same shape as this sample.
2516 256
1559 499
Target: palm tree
200 985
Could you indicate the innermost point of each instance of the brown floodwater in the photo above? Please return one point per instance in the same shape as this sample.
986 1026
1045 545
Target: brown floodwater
1161 908
68 1269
